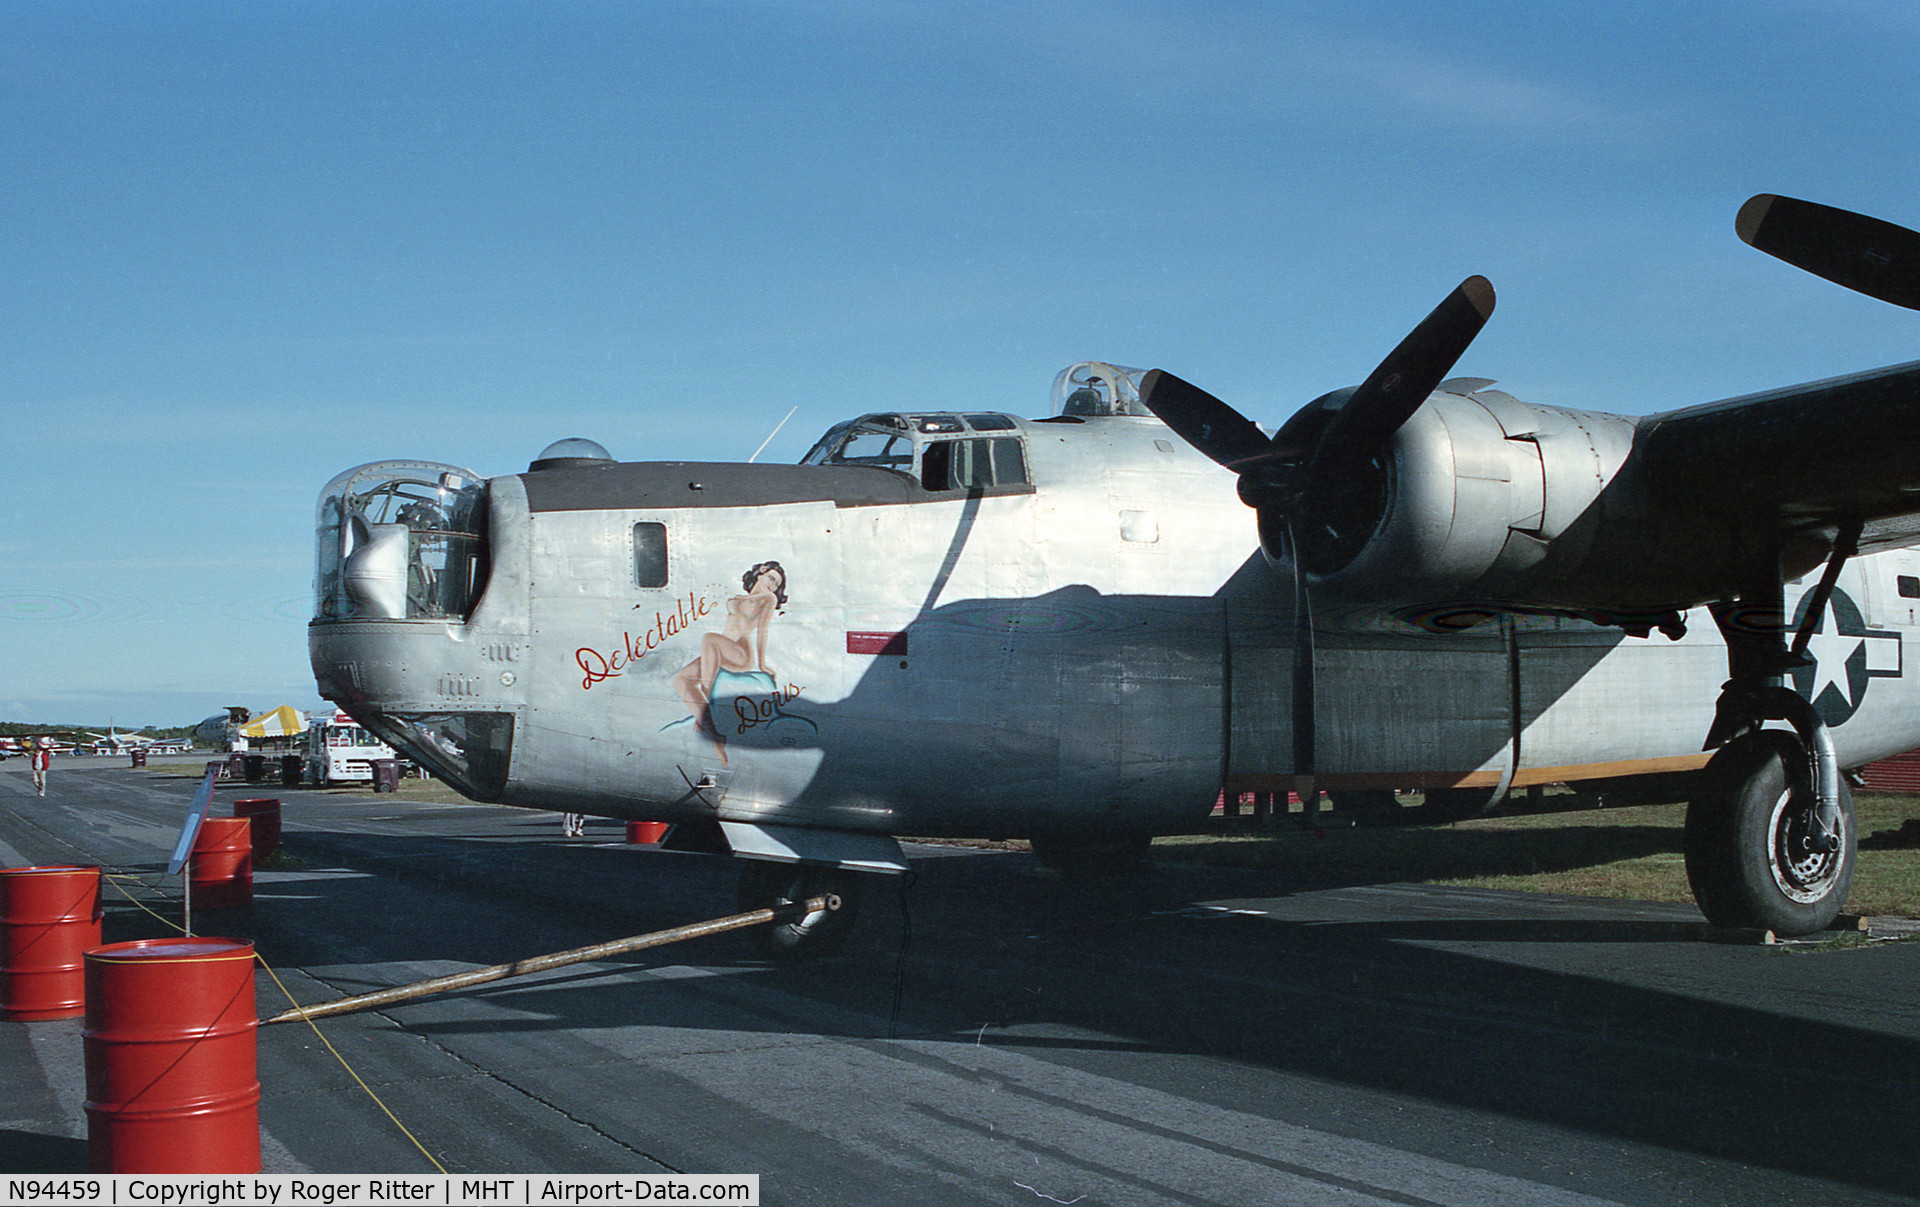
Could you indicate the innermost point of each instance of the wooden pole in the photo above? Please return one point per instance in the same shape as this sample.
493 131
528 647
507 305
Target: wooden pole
559 959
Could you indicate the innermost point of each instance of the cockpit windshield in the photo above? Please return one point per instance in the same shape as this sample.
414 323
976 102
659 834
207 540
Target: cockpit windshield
401 540
892 441
863 443
943 451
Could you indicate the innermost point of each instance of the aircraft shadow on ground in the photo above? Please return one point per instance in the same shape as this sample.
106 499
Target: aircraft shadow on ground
1395 1005
32 1152
611 889
1398 854
989 950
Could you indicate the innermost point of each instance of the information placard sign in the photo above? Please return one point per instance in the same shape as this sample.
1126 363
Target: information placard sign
196 813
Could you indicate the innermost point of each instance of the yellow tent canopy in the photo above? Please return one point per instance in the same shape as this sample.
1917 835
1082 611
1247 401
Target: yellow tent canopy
281 722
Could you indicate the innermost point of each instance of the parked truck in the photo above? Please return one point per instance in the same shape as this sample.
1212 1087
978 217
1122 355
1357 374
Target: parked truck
340 751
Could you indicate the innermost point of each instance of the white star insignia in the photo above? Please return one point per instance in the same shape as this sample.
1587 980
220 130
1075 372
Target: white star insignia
1831 649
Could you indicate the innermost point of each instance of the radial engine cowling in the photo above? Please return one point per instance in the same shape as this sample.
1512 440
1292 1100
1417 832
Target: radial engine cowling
1475 491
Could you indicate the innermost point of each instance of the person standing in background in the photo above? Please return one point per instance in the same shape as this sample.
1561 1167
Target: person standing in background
41 760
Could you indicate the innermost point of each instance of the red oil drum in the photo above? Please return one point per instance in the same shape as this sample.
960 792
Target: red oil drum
172 1064
646 831
51 916
264 814
221 871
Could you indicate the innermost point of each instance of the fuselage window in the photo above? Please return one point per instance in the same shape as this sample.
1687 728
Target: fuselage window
1909 586
650 554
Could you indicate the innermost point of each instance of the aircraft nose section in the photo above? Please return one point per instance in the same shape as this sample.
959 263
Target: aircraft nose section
403 559
448 702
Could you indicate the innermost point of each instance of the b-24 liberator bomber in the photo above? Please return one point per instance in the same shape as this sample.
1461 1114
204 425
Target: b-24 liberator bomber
1079 629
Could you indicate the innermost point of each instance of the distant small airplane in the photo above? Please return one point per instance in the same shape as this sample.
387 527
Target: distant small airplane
115 742
20 747
220 731
1078 629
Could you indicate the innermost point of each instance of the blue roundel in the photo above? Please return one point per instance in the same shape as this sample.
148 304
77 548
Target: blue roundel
1844 663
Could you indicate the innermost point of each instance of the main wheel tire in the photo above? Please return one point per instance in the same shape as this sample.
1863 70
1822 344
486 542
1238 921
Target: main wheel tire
1091 856
767 885
1750 854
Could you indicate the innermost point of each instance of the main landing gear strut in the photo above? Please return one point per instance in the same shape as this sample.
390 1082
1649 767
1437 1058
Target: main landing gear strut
1770 839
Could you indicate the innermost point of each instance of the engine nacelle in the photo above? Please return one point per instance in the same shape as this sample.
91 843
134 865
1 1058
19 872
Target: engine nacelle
1477 490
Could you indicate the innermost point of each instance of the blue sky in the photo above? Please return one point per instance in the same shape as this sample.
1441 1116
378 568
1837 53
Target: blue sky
245 246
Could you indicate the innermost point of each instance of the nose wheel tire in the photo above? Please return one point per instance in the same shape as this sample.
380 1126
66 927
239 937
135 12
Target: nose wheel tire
1755 854
767 885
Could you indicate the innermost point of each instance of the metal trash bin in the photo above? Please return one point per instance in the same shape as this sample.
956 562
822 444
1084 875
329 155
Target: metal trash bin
386 775
139 757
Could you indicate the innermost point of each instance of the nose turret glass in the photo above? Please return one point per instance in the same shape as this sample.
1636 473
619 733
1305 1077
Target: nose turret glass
401 540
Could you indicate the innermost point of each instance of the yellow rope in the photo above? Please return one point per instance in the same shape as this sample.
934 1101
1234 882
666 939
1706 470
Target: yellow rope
357 1080
411 1139
115 882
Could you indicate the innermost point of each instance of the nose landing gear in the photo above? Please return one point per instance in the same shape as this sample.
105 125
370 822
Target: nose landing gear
765 885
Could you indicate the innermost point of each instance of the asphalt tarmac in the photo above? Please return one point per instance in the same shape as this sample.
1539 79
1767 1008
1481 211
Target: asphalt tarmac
996 1034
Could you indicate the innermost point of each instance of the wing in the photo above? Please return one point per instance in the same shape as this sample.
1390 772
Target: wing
1804 461
1720 499
1829 455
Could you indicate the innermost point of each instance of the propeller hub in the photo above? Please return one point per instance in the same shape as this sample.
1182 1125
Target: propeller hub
1323 475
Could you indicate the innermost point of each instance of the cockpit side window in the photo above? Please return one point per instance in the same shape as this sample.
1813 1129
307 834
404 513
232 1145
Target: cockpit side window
936 465
988 463
1009 461
970 466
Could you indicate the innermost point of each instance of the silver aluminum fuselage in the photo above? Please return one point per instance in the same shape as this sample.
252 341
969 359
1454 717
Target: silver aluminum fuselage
1104 648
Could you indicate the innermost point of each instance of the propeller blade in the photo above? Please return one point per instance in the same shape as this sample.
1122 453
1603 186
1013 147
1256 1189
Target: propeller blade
1205 422
1395 390
1864 254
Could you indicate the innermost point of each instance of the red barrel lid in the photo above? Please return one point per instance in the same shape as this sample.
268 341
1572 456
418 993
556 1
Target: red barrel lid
185 947
52 868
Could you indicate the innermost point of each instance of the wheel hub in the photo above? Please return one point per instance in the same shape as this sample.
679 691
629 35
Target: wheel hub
1803 858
